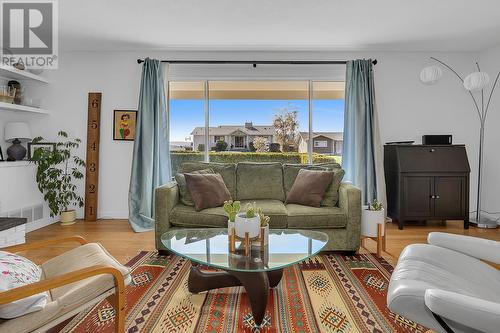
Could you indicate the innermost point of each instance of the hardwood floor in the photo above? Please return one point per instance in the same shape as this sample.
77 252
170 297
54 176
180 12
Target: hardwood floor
119 239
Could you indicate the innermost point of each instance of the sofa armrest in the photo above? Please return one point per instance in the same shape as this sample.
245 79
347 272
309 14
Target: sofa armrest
166 197
472 312
479 248
350 202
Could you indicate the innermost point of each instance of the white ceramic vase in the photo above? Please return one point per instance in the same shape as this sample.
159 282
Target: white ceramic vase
243 224
369 221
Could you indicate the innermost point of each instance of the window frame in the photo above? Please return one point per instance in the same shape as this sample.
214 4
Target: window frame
206 93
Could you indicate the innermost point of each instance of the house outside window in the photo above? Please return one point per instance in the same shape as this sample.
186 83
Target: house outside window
239 112
320 143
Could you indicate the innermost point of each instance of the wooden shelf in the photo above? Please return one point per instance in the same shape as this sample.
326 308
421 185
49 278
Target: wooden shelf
21 108
12 73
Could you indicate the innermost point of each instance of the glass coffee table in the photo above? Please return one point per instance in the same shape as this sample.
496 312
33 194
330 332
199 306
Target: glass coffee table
258 272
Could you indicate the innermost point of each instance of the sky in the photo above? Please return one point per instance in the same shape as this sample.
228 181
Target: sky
185 115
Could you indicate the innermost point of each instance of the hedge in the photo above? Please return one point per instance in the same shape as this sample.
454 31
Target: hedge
179 157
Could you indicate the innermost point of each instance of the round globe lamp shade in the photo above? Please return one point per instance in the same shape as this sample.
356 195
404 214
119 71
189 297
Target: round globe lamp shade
476 81
431 74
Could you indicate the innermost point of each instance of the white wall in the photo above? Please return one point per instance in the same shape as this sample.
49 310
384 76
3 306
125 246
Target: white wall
407 108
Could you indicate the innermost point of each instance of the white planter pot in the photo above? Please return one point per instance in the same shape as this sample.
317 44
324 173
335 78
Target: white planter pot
68 217
369 221
244 224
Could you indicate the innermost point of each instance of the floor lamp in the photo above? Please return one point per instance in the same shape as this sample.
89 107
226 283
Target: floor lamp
474 82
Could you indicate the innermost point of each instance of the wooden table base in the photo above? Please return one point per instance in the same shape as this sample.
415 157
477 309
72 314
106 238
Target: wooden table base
256 284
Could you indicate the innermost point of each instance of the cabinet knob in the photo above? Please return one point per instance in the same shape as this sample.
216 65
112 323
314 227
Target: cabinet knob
433 197
436 196
432 150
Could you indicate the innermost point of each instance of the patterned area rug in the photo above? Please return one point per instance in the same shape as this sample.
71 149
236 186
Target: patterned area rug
330 293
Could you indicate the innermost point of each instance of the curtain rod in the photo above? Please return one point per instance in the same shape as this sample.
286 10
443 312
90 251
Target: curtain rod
257 62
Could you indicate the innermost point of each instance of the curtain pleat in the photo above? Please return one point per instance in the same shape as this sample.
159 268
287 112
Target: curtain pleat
151 157
361 157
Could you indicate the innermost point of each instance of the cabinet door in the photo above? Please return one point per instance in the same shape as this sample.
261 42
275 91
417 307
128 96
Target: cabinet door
449 192
417 197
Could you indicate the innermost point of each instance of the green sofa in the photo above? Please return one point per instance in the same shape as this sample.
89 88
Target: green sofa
267 184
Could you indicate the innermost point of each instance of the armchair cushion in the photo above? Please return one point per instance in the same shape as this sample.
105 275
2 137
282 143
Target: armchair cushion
69 297
80 257
17 271
464 310
421 267
479 248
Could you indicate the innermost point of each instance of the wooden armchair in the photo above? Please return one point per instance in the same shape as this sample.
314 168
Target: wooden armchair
73 285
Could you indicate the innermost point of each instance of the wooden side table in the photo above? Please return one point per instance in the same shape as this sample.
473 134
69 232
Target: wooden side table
380 239
373 227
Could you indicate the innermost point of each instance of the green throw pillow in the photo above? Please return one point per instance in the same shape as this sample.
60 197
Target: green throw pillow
184 193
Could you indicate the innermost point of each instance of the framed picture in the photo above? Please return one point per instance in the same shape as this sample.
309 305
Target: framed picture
32 147
124 125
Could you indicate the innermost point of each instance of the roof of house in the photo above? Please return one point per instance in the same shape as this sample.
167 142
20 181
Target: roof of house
249 129
337 136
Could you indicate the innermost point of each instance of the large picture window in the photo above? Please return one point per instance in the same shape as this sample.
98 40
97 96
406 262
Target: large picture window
261 121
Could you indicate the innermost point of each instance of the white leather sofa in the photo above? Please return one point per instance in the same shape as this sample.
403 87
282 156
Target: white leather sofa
445 285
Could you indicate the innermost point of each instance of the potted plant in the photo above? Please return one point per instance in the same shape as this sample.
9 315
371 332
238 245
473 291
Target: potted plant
248 222
372 215
56 173
231 208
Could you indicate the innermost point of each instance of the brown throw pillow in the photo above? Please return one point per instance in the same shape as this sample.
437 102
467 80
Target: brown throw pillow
184 194
309 187
207 190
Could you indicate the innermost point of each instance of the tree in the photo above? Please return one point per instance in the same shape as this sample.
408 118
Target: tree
220 145
201 147
286 126
261 144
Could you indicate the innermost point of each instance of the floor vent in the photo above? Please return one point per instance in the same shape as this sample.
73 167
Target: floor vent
34 214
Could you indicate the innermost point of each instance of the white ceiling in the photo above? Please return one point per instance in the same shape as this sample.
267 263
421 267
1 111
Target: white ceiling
344 25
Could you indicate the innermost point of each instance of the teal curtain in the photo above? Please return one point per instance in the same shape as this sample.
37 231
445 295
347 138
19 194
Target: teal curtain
358 157
151 159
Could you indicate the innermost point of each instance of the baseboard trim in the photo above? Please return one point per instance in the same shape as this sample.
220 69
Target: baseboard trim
113 215
32 226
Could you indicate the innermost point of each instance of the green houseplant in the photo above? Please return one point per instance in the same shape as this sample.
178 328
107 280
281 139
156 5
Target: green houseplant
248 221
56 173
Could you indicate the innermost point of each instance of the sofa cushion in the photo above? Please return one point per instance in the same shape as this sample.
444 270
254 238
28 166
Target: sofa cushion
186 216
331 196
306 217
275 209
259 181
184 194
226 170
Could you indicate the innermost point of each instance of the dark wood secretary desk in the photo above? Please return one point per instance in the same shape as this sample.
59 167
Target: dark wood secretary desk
427 182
